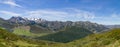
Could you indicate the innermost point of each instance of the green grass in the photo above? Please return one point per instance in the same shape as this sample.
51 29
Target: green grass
19 31
67 35
2 45
8 39
25 44
110 38
24 32
107 39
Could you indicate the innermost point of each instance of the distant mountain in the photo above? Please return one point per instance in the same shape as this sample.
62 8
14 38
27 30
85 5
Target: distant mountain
40 25
20 21
5 24
78 34
67 35
58 25
94 27
112 26
106 39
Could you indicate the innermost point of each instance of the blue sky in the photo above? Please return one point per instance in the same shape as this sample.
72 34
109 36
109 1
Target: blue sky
100 11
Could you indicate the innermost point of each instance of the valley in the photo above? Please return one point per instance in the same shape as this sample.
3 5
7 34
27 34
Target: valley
59 23
56 34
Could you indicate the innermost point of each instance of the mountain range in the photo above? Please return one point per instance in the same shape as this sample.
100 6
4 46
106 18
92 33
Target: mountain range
113 26
49 26
31 32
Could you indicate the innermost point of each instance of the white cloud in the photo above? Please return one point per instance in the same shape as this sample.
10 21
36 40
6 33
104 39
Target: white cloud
85 14
82 14
10 13
114 15
47 14
61 15
11 3
111 16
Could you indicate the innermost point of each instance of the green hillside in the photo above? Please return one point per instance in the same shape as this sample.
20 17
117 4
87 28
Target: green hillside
67 35
38 29
7 39
70 36
108 39
25 31
22 30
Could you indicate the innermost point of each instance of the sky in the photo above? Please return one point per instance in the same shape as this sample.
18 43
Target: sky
105 12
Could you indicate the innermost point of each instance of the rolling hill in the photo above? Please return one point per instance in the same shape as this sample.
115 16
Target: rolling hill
66 35
110 38
8 39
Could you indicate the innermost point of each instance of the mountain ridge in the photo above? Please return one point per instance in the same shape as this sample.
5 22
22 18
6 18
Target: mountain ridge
53 26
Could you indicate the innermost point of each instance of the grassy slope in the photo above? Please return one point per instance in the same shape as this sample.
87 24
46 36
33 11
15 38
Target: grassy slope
108 39
20 31
38 29
67 35
7 39
23 31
